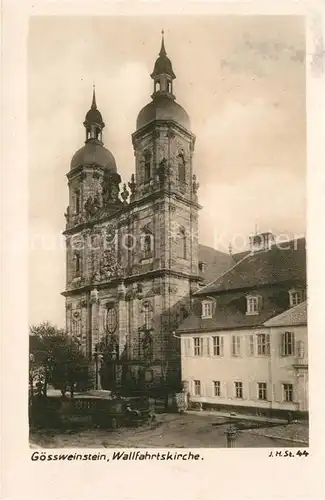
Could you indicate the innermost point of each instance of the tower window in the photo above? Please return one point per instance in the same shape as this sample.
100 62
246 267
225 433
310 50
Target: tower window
181 247
77 258
181 169
77 201
147 167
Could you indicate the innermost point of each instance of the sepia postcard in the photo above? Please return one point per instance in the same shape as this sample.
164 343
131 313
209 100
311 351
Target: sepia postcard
163 243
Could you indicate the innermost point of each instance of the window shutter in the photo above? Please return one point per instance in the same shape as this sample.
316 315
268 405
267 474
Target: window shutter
187 347
282 344
250 345
207 346
201 346
268 345
293 344
221 346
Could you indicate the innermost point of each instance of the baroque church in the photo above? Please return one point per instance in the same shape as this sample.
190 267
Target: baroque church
133 257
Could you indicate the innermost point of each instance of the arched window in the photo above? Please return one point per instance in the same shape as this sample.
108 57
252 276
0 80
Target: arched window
110 318
77 260
147 315
181 168
147 166
77 201
181 246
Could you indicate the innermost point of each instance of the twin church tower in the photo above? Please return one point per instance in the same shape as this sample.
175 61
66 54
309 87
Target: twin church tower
132 250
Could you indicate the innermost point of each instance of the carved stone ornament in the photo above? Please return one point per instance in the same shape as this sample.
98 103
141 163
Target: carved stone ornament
156 134
92 206
125 195
109 267
83 303
76 314
68 305
170 134
94 296
195 185
110 187
132 185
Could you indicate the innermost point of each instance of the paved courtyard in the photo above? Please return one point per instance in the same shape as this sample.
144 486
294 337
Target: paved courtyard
172 430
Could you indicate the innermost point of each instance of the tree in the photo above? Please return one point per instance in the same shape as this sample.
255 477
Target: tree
56 358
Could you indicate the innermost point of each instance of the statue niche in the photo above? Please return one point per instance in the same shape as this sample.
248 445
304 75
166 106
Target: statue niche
110 188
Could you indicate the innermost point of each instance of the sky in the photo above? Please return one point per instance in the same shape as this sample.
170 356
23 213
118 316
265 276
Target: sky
241 80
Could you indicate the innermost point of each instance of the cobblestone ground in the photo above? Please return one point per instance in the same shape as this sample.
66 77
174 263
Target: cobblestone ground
179 431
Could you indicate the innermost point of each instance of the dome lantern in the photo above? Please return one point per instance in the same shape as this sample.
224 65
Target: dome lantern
163 105
94 122
163 74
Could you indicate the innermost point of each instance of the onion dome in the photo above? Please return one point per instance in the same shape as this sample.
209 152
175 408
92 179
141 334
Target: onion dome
163 105
163 108
93 152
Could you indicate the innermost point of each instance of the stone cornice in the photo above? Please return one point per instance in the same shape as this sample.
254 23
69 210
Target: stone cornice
162 123
125 209
158 273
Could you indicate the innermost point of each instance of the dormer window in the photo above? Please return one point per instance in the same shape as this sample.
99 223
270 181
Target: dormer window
253 305
296 297
207 308
77 201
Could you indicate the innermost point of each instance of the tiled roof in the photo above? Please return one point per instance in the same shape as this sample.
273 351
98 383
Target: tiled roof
225 319
217 263
277 265
297 315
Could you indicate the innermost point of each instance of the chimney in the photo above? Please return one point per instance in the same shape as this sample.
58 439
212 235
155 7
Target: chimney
261 242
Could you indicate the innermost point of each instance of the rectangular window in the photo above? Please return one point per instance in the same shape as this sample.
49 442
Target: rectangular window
207 309
239 390
216 388
235 345
197 388
217 346
261 387
198 346
263 344
287 344
288 392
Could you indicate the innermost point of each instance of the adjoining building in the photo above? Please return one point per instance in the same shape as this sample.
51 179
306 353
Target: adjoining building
244 345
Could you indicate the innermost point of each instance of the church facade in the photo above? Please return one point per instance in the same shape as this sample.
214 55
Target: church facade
132 251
